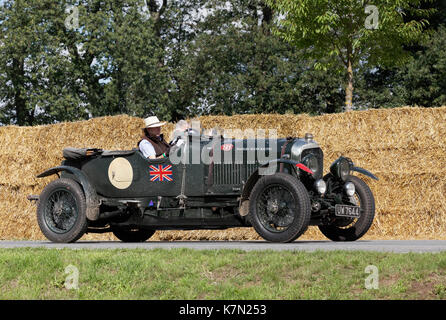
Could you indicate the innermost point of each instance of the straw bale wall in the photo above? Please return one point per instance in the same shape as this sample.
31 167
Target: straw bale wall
404 147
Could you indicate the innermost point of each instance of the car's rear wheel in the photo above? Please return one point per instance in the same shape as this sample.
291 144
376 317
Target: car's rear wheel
279 208
132 235
61 211
351 229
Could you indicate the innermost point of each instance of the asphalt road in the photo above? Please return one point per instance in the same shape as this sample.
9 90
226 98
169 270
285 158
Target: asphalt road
399 246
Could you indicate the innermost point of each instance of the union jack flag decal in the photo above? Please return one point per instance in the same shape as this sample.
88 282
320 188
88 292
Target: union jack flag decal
161 173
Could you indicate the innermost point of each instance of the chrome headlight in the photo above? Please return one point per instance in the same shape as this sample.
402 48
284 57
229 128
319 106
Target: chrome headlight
320 186
310 161
341 168
350 189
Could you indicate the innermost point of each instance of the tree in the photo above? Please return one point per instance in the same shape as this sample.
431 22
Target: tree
235 65
424 79
350 34
20 60
178 59
380 88
134 53
115 53
104 64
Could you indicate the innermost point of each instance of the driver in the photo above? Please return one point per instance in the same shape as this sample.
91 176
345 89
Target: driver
152 143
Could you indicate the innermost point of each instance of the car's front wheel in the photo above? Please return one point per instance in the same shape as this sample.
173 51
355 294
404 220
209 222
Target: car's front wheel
61 211
132 235
279 208
351 229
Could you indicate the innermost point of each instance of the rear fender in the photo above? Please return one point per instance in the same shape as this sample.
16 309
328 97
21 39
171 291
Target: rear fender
91 196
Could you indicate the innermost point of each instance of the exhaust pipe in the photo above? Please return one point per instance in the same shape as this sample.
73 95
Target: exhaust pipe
109 214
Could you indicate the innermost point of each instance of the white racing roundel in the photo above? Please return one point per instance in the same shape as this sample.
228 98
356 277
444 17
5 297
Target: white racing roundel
120 173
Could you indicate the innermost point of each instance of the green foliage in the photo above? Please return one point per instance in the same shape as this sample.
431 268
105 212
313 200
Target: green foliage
338 32
191 57
238 67
424 78
30 65
109 63
338 29
420 82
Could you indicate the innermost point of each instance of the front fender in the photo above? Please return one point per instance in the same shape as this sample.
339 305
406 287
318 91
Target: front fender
91 196
256 175
294 164
335 166
364 172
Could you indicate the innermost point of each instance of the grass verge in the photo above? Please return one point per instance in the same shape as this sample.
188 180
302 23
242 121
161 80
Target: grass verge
218 274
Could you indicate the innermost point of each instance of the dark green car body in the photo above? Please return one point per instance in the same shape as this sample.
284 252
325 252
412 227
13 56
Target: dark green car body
123 189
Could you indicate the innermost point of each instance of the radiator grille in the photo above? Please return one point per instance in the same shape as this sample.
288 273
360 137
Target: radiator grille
233 173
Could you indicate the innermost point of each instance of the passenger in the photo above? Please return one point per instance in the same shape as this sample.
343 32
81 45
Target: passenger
152 145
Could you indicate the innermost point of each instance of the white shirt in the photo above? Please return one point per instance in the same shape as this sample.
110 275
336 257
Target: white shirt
146 148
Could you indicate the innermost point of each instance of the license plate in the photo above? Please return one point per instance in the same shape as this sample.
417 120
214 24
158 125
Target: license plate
347 211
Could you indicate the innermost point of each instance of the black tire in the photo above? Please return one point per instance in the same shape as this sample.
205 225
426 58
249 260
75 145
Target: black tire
294 209
360 226
61 211
133 235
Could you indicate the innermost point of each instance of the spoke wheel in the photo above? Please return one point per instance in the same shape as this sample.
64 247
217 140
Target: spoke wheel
279 208
61 211
345 222
276 208
351 229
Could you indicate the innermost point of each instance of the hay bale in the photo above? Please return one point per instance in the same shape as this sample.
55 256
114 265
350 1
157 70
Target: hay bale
404 147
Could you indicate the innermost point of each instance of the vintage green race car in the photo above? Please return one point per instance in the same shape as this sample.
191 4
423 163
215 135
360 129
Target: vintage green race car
274 185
